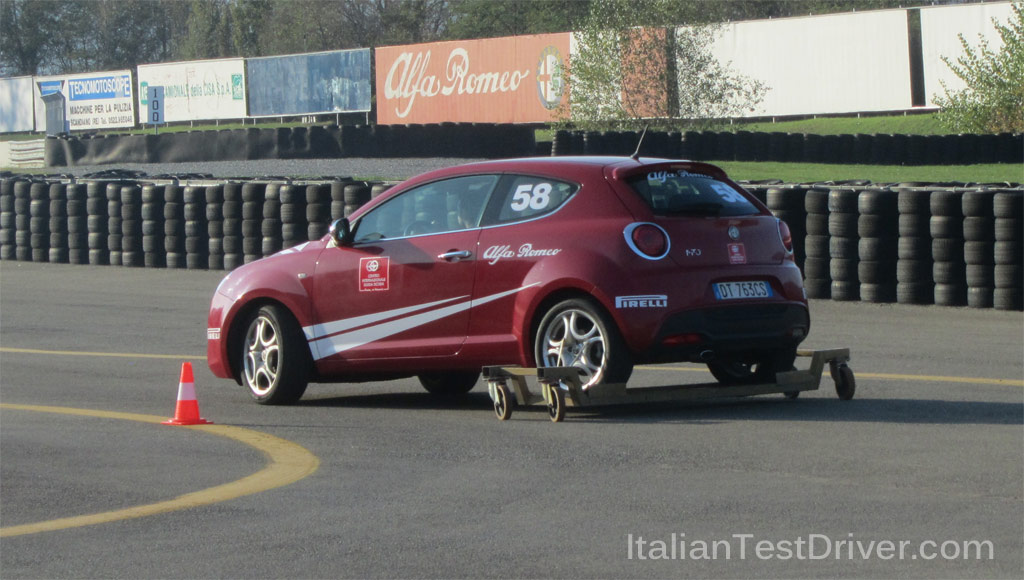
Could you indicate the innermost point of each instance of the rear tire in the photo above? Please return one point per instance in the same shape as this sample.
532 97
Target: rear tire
449 384
274 357
578 333
738 372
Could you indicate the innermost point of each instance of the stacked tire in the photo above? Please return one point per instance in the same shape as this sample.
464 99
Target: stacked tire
817 278
979 241
197 245
947 230
877 228
131 226
271 226
232 230
114 235
214 212
22 217
39 221
1008 210
293 216
174 226
252 218
914 283
96 222
58 226
78 233
7 219
356 194
152 213
318 211
843 251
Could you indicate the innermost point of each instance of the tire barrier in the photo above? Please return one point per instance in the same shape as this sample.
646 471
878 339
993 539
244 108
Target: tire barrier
817 275
330 142
911 243
843 241
914 283
800 148
946 226
979 237
1008 228
877 229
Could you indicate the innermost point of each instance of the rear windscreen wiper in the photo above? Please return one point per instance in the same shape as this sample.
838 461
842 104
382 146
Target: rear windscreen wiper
711 209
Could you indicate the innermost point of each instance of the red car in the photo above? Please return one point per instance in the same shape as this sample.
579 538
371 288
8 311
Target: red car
595 262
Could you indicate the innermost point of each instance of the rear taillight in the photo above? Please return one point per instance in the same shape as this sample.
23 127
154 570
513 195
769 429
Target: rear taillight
787 236
648 240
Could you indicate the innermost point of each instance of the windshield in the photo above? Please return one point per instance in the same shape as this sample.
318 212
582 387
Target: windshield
683 193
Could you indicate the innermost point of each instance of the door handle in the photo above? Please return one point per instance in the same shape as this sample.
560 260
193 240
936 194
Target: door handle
455 255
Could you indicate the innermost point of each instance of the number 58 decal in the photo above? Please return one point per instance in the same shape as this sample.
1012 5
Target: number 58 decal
531 196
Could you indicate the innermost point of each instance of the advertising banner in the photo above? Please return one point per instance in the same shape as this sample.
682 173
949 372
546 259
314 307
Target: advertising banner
836 63
17 114
197 90
101 100
941 27
301 84
520 79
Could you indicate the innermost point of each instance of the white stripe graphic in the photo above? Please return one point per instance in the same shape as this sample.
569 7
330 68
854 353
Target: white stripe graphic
321 330
331 345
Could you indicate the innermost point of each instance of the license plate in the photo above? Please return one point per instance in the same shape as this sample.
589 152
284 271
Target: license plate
742 290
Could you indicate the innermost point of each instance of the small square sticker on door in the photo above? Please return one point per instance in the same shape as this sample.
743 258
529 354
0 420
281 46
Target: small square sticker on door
373 274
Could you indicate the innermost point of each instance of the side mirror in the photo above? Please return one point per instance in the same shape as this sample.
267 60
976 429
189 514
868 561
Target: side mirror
341 232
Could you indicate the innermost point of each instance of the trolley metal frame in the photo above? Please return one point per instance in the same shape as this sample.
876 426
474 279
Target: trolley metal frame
560 387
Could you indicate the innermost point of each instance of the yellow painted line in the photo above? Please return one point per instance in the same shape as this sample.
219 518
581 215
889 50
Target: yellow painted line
288 463
109 354
892 376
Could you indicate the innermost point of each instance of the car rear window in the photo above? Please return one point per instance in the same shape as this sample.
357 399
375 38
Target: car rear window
679 192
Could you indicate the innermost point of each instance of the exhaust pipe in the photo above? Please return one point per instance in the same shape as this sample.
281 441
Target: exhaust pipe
707 355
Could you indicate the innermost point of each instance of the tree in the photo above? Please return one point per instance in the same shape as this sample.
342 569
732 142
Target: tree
29 29
488 19
993 99
634 66
208 27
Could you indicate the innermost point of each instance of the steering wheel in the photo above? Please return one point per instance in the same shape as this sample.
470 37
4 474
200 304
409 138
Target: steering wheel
417 227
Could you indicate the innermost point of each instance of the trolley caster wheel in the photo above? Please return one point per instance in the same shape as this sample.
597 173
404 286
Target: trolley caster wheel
791 394
502 402
846 384
556 403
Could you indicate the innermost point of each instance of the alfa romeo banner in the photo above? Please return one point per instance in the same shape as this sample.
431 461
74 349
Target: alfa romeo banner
518 79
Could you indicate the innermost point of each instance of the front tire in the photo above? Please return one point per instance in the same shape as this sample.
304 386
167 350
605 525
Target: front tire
578 333
449 384
275 359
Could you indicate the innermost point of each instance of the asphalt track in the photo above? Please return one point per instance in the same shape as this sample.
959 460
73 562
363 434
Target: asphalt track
382 480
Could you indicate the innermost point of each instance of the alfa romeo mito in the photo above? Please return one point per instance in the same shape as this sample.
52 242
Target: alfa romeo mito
599 263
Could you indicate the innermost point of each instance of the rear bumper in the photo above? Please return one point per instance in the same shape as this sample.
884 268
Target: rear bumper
735 331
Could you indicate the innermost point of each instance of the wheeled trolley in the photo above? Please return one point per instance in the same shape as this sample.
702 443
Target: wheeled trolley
560 387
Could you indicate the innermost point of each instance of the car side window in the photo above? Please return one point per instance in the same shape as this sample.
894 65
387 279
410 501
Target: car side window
521 197
442 206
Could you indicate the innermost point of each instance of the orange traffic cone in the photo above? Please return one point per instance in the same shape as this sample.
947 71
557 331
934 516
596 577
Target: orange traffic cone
187 410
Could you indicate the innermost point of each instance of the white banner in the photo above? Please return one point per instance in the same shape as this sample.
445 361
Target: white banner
940 30
841 63
197 90
100 100
16 110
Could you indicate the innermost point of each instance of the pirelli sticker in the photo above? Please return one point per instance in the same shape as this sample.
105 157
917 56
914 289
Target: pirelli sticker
373 274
